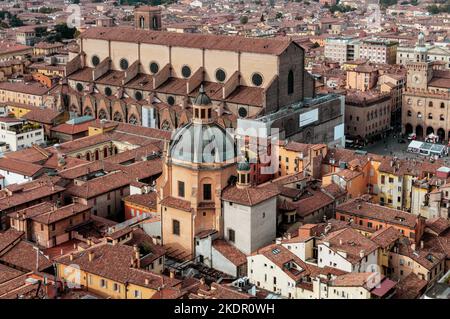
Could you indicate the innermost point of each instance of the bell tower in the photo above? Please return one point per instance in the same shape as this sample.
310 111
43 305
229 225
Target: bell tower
147 18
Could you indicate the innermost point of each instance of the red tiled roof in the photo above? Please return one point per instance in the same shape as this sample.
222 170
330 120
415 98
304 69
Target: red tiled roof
351 242
249 196
200 41
100 185
114 262
146 200
385 236
177 203
230 252
361 207
19 167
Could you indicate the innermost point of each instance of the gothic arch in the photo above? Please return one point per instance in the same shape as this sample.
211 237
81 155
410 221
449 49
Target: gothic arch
87 111
118 117
102 114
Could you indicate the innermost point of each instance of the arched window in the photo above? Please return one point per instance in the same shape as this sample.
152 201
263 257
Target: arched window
105 152
102 115
88 156
291 82
430 116
154 23
116 150
97 155
441 117
88 111
419 114
165 126
117 117
442 105
430 104
409 113
142 22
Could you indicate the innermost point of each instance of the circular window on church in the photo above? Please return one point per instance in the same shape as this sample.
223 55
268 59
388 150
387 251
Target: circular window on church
124 64
95 60
242 112
79 87
154 67
257 79
220 75
138 96
108 91
171 100
186 71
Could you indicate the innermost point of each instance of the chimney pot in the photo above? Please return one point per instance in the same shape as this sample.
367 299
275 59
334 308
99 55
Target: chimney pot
91 256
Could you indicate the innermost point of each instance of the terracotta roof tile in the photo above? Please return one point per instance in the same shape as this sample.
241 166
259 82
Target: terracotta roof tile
249 196
230 252
211 42
360 207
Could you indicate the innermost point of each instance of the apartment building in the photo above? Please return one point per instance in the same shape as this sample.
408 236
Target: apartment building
378 51
341 49
373 216
48 224
367 114
31 93
18 134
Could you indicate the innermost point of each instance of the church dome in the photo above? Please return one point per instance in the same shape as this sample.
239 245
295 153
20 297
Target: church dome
200 143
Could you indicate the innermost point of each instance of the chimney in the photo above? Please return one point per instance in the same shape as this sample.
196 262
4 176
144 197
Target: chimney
288 235
147 281
340 241
137 256
172 274
421 244
361 253
202 280
413 247
71 257
91 256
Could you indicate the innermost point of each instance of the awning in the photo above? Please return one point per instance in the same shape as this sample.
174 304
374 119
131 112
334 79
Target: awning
384 288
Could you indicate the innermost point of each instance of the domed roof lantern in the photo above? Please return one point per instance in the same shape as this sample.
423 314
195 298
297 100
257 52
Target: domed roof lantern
202 108
243 170
243 166
202 98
